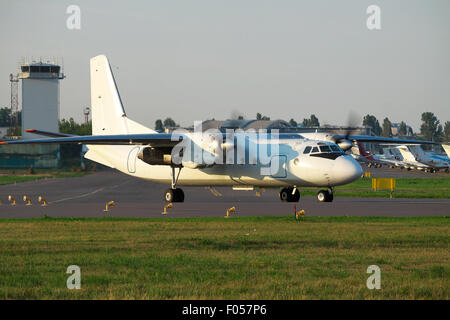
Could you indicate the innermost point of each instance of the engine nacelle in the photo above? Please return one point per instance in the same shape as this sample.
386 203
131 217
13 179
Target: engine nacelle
155 156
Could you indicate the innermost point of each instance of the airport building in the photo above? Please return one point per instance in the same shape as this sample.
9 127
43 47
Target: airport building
40 110
40 97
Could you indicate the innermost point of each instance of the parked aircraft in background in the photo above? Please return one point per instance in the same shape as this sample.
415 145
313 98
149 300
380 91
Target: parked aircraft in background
436 162
410 160
446 148
376 160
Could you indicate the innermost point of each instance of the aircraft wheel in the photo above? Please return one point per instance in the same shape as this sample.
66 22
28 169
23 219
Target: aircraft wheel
174 195
296 196
169 195
325 196
287 196
179 195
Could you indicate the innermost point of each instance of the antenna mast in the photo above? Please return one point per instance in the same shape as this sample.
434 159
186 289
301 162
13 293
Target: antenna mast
14 121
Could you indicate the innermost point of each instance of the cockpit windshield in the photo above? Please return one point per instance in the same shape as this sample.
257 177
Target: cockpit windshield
325 149
335 148
331 151
307 149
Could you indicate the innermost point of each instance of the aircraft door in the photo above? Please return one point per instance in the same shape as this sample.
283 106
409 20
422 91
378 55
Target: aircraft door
278 166
132 159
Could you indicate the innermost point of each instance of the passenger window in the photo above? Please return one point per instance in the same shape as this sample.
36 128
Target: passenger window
325 149
307 149
315 149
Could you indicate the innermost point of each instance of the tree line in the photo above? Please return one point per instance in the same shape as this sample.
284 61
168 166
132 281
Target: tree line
5 121
431 128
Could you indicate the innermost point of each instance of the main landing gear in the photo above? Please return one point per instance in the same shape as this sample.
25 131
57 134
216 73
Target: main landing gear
325 195
174 194
290 194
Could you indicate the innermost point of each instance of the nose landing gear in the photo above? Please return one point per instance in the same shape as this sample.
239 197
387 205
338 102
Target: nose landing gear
325 195
290 194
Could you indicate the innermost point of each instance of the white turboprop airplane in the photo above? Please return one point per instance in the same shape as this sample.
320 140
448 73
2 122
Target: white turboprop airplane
123 144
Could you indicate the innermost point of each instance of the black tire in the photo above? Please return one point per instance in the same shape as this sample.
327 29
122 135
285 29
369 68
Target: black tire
295 196
330 197
287 196
174 195
179 195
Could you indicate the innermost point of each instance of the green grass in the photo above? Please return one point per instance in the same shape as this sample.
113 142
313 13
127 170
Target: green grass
217 258
7 179
405 188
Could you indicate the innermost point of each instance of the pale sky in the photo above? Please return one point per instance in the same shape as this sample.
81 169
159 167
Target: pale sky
201 59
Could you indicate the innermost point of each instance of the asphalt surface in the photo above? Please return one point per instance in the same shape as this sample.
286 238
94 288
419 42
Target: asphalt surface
86 197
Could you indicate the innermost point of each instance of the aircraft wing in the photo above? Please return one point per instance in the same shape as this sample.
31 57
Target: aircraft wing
387 140
152 139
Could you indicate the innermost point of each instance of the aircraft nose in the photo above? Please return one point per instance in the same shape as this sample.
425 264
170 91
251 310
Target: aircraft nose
346 170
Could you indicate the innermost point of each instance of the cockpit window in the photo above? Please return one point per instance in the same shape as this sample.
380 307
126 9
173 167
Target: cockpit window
335 148
307 149
327 151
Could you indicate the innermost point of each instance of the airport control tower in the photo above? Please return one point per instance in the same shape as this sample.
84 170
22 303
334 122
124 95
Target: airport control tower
40 97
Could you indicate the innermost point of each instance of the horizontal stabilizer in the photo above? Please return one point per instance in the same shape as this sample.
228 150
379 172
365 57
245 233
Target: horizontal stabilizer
49 134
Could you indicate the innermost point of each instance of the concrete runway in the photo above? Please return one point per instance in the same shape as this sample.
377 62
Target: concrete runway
87 196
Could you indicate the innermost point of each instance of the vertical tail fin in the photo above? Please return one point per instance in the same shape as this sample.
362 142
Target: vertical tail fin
108 113
364 153
406 154
446 149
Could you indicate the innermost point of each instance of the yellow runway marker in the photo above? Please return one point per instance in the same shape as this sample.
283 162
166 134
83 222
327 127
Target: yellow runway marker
169 206
108 205
42 201
12 200
231 210
27 200
260 191
300 213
